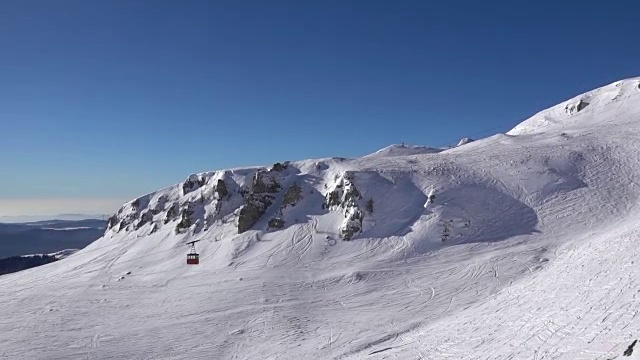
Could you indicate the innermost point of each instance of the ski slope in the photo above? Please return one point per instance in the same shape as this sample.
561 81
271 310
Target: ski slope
528 251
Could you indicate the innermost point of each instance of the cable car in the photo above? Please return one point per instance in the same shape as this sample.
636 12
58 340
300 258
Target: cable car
192 257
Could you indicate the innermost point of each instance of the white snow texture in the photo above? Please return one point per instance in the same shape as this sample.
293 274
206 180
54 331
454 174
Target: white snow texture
528 250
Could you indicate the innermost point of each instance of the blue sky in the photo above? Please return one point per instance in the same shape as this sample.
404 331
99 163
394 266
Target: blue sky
114 99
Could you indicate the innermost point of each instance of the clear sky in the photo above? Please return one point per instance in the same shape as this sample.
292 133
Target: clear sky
103 101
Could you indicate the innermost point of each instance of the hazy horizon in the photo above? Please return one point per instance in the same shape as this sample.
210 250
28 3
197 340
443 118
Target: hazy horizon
11 209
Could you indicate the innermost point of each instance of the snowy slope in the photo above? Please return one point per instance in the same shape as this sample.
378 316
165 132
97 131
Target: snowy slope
527 251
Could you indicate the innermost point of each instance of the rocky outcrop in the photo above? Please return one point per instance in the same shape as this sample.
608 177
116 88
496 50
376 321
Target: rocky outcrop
126 216
172 213
629 350
346 196
352 224
264 185
192 183
186 218
464 141
221 189
113 222
345 193
253 209
276 223
145 217
189 203
575 107
292 196
159 205
265 182
202 199
278 167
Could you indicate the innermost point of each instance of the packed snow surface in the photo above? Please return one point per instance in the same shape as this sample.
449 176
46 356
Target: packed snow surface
527 249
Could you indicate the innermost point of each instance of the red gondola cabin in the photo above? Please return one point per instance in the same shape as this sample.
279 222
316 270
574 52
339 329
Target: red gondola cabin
193 259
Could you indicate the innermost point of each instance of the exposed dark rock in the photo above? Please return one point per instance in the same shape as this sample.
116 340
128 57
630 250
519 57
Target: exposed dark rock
113 221
145 218
292 196
345 194
582 105
575 107
258 200
192 183
629 350
353 225
159 205
333 199
127 220
172 213
280 167
276 223
265 182
221 189
256 205
186 219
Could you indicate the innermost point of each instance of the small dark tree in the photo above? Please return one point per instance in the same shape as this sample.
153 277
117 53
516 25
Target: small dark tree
370 205
446 231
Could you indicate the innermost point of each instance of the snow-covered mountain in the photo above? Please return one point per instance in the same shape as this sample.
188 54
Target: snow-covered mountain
519 246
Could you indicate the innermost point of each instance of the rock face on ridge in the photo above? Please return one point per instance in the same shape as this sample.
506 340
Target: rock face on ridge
264 187
266 198
346 196
291 197
464 141
192 183
575 107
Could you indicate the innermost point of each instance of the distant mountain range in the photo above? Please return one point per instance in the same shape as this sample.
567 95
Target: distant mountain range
65 217
48 236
